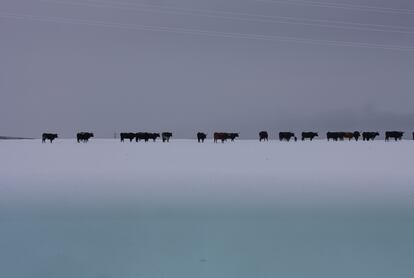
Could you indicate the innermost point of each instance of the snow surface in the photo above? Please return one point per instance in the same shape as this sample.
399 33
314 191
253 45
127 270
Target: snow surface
184 209
186 172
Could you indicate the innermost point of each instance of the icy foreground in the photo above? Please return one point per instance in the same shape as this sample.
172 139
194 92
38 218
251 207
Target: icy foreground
183 209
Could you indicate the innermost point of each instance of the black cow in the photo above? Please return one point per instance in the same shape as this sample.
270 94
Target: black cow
127 135
263 135
141 136
146 136
357 134
84 136
335 136
49 136
366 136
153 136
233 136
397 135
309 135
201 137
286 136
166 136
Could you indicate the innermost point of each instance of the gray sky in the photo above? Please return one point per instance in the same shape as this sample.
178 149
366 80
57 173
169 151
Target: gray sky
189 65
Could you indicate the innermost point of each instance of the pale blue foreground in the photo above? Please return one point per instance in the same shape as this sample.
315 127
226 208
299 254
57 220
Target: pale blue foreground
183 209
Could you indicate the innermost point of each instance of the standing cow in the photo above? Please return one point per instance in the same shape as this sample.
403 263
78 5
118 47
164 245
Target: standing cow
153 136
201 137
397 135
84 136
263 135
146 136
287 136
309 135
166 136
220 136
335 136
349 135
49 136
233 136
367 136
127 135
139 136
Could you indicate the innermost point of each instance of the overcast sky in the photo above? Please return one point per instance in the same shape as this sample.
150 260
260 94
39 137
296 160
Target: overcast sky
188 65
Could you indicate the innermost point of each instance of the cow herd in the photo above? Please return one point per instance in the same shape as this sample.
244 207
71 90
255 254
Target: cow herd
83 137
366 136
139 136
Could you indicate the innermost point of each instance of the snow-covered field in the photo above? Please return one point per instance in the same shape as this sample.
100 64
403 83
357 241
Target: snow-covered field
184 209
184 172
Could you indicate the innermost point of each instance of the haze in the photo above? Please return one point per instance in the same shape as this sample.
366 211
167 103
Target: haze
187 66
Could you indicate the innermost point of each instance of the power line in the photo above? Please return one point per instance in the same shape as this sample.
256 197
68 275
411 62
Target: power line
94 23
210 14
341 6
249 15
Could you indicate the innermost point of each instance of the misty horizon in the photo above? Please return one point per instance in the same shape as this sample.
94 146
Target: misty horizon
242 66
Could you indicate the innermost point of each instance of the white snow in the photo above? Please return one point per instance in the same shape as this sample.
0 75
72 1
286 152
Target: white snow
243 209
181 172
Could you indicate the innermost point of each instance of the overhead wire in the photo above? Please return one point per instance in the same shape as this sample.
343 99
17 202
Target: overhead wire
240 16
365 8
127 26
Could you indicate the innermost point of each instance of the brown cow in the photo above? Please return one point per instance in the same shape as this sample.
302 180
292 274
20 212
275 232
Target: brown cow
220 136
352 135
